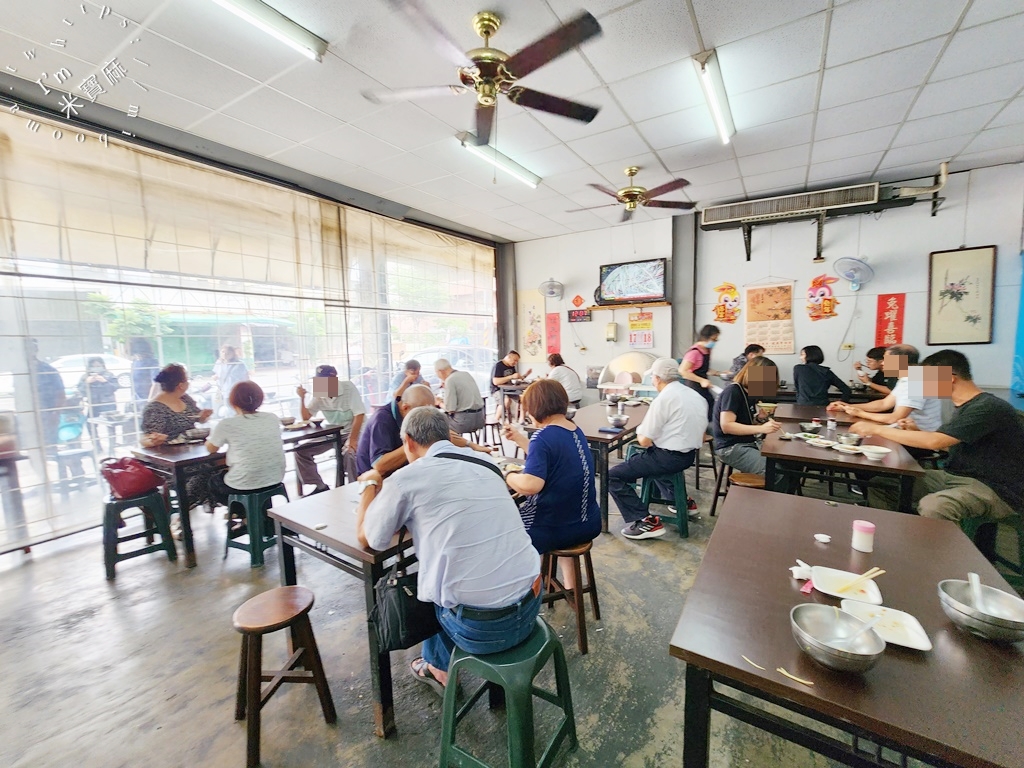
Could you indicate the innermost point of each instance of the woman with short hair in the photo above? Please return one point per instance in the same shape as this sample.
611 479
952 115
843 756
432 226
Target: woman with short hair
812 379
567 377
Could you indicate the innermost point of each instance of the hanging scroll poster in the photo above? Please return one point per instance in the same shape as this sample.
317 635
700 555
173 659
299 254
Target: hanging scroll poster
769 318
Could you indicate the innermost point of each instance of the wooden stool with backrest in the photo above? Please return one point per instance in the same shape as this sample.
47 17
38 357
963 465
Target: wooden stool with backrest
280 608
554 589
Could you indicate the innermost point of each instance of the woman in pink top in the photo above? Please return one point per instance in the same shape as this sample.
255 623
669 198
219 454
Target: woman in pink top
696 365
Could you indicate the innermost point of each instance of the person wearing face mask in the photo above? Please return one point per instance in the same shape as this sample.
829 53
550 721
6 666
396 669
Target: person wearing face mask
255 455
696 365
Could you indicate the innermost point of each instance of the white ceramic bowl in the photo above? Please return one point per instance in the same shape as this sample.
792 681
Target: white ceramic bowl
875 452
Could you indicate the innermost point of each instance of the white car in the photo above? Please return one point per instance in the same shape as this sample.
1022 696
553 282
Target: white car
71 368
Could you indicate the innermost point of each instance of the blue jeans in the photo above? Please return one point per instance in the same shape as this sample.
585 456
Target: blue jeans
478 636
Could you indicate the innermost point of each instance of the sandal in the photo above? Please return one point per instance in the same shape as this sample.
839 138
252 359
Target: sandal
421 671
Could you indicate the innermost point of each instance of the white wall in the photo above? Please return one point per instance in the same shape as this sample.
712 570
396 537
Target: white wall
575 260
982 207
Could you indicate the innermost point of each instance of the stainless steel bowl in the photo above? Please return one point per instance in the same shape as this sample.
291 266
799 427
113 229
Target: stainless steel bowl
819 629
848 438
287 420
1001 617
811 427
613 399
983 629
618 420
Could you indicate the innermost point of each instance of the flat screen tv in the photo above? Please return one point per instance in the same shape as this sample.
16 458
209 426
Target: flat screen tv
632 281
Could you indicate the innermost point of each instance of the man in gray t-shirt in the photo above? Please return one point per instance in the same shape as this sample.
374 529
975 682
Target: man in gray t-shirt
462 400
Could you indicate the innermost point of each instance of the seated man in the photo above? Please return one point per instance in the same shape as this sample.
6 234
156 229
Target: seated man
462 400
899 403
505 370
380 446
409 375
874 361
341 405
476 561
672 432
985 440
751 351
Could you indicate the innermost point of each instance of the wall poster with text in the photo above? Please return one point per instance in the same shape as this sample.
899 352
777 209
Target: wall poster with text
770 318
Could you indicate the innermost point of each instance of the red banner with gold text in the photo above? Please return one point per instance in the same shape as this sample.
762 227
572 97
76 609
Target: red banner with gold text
889 319
554 333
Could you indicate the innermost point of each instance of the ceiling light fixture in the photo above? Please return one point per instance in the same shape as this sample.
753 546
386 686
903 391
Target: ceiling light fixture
498 160
277 25
710 75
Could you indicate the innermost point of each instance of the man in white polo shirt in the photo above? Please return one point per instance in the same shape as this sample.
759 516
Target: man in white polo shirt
901 402
672 432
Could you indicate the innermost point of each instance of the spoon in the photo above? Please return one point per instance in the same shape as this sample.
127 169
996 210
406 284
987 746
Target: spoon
976 593
841 642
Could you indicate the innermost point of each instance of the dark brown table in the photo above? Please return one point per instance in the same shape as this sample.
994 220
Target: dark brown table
956 705
792 457
180 462
591 418
324 526
793 412
788 394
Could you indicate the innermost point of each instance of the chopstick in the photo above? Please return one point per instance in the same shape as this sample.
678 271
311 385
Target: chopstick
872 573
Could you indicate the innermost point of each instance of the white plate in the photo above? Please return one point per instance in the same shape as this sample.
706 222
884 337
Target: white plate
806 435
819 443
829 580
847 449
895 626
296 426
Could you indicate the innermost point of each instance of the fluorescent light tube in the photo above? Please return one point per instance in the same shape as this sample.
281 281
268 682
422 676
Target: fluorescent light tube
277 25
498 160
710 75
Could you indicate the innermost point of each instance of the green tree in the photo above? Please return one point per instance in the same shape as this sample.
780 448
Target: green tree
125 321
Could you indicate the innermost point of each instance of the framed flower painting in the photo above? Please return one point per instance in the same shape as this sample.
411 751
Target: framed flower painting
961 296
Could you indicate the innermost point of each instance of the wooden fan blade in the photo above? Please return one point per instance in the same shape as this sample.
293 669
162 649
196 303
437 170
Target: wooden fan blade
553 45
671 186
626 215
556 105
591 208
669 204
382 96
429 27
484 121
607 191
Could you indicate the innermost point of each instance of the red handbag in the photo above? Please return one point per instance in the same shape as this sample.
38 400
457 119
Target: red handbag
128 477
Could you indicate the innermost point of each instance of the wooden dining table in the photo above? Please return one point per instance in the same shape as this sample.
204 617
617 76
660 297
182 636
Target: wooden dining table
958 704
323 525
793 412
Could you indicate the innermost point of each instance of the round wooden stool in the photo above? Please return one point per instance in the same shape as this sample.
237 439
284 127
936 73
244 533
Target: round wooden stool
554 590
746 480
280 608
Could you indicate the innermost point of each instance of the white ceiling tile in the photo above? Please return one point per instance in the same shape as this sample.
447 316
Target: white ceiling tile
567 76
945 126
778 160
233 133
641 36
405 125
353 145
857 169
609 145
712 174
709 194
574 182
316 85
405 169
520 134
608 118
915 172
153 104
966 162
34 23
863 115
885 73
1012 113
722 21
997 138
367 181
872 26
932 151
969 90
774 103
423 201
660 91
454 187
449 154
764 138
778 182
314 162
277 113
982 11
695 154
677 128
480 200
548 162
982 47
876 140
771 57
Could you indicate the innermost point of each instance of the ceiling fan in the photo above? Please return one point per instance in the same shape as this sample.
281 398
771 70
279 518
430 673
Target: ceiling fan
488 71
632 196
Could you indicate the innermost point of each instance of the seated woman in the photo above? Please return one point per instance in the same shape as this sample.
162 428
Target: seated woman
736 422
567 377
169 415
560 509
812 379
255 454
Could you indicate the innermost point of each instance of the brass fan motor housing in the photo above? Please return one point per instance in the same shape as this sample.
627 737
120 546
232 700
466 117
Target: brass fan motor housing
489 77
632 195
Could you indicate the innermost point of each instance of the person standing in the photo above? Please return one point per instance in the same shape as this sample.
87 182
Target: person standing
696 365
145 367
97 387
342 406
812 379
567 377
462 400
672 432
505 371
229 370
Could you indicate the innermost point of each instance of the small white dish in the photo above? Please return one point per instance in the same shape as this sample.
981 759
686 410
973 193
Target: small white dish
850 450
806 436
829 581
819 443
894 627
875 452
296 426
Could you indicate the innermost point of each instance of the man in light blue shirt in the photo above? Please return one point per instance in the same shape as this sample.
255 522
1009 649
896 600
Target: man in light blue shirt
477 564
407 377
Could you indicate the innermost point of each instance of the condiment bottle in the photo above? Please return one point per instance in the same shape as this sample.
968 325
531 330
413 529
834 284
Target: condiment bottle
863 536
622 407
831 424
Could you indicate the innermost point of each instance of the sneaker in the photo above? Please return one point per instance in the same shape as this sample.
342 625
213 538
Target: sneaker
691 509
856 491
648 528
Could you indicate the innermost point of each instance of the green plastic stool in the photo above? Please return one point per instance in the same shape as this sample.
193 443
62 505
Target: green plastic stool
155 521
257 525
649 495
972 525
514 671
